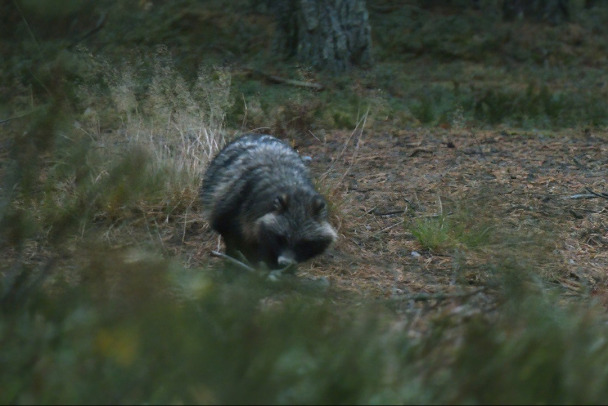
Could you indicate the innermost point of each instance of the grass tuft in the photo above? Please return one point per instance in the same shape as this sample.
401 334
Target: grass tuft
444 234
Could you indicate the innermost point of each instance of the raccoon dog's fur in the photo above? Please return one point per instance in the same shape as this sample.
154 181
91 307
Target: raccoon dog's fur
258 195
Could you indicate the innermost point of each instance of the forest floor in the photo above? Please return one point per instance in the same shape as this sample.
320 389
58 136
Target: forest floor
429 213
497 198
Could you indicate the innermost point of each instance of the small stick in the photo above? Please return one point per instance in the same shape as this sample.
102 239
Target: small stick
591 195
420 151
582 196
233 261
272 274
439 296
388 213
602 195
388 228
6 120
100 23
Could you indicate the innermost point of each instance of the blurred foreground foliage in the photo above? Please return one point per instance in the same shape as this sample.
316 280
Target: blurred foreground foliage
140 328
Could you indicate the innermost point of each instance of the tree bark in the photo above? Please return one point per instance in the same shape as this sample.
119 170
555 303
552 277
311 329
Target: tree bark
325 34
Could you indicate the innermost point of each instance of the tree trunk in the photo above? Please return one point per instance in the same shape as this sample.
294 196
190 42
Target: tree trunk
325 34
553 11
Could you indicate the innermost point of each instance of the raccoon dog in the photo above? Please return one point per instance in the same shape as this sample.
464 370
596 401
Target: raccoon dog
258 195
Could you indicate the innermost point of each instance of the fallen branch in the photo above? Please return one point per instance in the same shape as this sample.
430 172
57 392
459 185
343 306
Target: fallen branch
291 82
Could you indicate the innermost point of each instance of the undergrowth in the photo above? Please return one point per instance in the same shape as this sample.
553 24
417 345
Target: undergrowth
180 126
100 171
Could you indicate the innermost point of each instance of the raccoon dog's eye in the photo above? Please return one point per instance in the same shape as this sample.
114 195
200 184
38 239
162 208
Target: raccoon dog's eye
280 203
318 204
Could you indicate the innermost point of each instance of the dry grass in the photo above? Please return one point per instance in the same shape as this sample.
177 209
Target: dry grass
177 127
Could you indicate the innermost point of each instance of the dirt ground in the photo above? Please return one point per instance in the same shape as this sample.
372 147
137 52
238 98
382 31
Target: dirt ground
536 190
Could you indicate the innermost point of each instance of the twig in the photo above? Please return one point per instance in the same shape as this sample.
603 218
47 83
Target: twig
6 120
245 113
27 24
389 227
31 33
602 195
366 212
233 261
387 213
100 23
185 223
420 297
272 275
420 151
581 196
591 195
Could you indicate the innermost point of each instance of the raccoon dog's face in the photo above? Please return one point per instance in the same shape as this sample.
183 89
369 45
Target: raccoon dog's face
294 229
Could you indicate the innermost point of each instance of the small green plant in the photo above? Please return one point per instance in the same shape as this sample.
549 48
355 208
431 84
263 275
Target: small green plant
433 233
443 233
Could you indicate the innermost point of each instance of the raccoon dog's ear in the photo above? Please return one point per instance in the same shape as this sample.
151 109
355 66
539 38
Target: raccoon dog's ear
280 203
318 205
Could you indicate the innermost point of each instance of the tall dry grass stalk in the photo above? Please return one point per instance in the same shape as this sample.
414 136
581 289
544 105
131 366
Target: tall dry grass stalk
357 134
